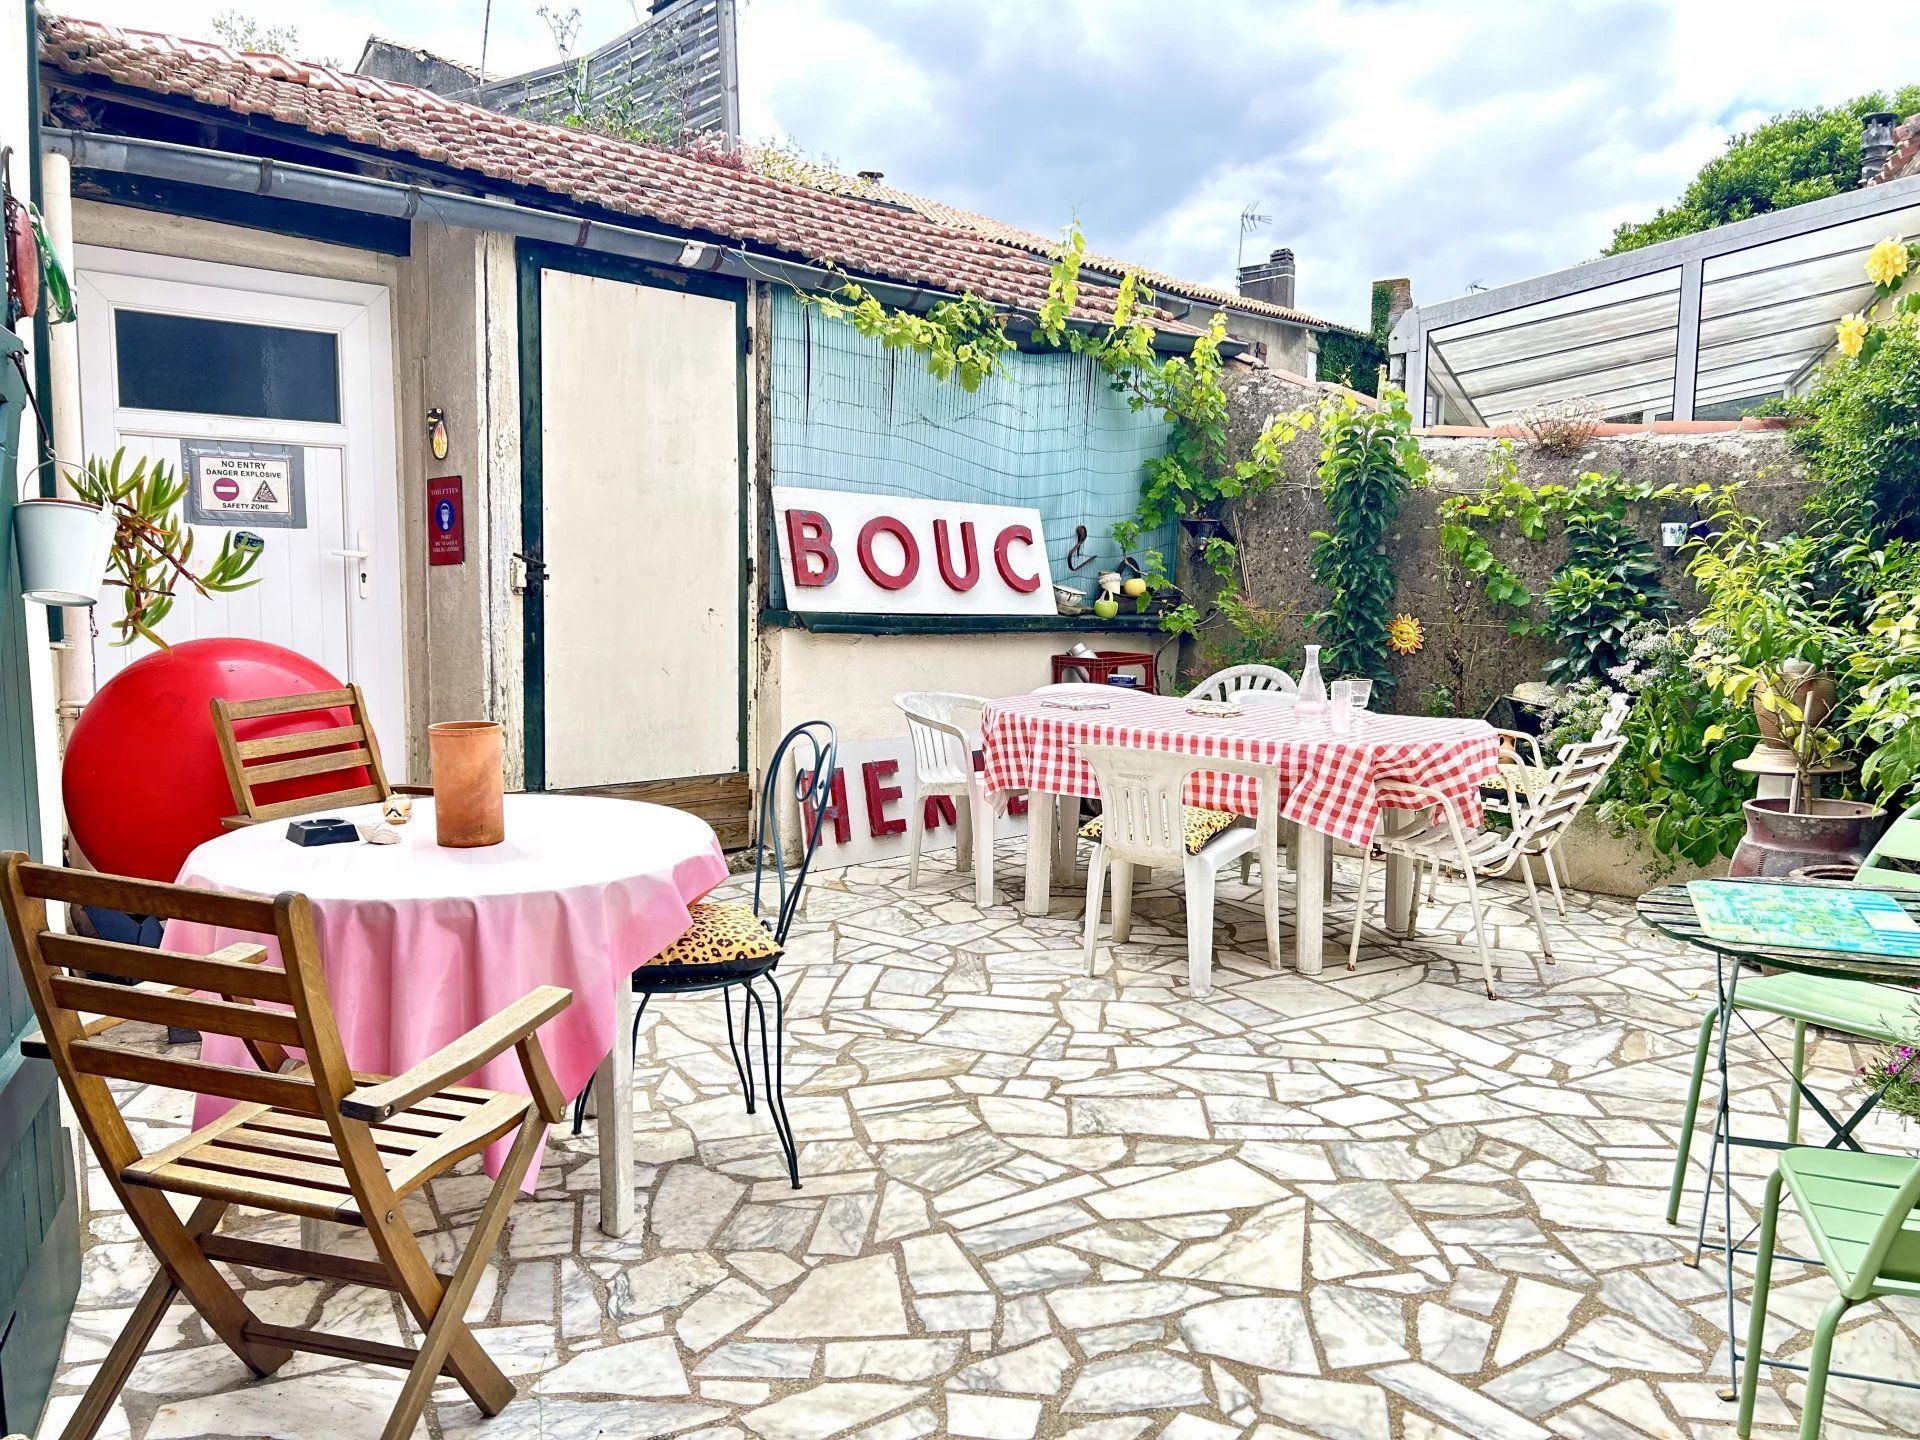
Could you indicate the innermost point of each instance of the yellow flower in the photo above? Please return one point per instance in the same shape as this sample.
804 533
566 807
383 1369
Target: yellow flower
1886 262
1405 635
1850 334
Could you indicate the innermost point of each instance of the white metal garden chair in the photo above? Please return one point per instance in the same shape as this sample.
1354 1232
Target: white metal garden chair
1239 679
1526 773
943 726
1486 854
1143 822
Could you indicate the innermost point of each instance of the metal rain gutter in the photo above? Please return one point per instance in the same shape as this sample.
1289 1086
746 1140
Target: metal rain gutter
190 165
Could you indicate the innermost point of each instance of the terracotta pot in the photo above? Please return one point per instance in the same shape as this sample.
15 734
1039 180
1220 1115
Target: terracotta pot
1831 832
468 783
1811 690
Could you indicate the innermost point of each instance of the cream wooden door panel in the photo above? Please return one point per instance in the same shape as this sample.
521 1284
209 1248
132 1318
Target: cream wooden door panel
329 587
641 531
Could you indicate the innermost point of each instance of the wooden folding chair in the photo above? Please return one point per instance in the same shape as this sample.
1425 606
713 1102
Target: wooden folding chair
312 1140
258 763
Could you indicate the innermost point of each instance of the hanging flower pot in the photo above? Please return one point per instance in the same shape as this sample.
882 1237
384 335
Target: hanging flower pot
63 546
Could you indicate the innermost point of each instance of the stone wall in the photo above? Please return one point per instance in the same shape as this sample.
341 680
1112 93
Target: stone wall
1469 651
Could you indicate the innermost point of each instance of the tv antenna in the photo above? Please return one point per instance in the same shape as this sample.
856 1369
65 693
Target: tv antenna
1250 220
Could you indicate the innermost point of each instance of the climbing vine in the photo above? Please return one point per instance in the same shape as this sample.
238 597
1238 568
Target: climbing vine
1368 461
961 340
1609 586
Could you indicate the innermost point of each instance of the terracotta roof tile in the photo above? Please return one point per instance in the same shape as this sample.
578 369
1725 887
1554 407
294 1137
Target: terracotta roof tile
684 192
824 177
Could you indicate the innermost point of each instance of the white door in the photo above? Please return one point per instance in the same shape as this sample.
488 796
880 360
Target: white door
641 517
272 393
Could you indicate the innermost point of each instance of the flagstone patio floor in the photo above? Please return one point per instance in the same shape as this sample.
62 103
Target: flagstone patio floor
1037 1204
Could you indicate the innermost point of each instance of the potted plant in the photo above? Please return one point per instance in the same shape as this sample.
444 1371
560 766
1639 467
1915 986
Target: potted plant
1770 637
124 529
62 544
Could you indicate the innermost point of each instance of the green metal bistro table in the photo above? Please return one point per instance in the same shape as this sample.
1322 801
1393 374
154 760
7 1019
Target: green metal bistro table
1669 910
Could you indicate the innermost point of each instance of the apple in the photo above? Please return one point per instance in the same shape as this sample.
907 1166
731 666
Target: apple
1135 586
1106 607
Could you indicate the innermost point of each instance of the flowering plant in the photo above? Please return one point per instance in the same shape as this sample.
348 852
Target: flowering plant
1894 1071
1888 265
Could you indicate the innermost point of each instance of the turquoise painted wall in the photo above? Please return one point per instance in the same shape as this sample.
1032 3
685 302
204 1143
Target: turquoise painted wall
1052 433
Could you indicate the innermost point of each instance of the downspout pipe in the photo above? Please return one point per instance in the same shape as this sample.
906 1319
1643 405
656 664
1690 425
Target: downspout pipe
190 165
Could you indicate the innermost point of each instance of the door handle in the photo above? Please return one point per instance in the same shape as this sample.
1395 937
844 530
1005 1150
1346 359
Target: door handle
359 555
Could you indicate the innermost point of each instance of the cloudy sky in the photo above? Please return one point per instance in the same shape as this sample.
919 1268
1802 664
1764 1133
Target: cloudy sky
1459 142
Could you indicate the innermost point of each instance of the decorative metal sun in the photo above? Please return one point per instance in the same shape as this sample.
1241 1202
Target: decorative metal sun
1405 635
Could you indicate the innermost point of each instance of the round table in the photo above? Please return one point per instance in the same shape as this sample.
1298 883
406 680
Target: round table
420 943
1669 909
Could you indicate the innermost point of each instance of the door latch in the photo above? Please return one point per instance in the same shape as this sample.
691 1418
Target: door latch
528 572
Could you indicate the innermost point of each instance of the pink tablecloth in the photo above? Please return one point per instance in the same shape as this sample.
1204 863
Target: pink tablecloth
420 943
1327 781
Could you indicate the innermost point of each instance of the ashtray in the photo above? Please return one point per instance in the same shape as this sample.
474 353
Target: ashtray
323 830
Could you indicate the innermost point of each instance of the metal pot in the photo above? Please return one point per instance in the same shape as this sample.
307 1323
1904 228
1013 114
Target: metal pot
62 545
1780 841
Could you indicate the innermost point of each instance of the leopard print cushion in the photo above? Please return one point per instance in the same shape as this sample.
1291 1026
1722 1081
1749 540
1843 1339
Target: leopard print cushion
1200 826
722 933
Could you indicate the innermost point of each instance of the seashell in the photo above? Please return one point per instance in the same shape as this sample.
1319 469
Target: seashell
397 810
378 835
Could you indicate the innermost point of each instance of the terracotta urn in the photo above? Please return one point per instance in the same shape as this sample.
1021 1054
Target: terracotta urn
469 782
1780 841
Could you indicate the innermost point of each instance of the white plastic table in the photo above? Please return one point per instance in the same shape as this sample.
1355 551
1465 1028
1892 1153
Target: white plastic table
420 943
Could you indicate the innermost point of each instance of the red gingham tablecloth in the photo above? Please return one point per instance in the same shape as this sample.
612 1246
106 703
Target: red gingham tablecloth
1326 780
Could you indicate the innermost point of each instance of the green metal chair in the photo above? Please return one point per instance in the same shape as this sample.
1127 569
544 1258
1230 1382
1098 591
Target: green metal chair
1883 1013
1860 1209
1895 861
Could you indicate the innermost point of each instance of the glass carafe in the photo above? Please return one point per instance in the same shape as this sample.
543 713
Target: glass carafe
1312 704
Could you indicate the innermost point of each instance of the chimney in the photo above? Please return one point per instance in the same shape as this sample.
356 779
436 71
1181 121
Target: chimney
1391 300
1876 144
1270 280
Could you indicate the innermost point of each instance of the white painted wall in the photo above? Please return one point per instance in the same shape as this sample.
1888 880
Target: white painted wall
851 679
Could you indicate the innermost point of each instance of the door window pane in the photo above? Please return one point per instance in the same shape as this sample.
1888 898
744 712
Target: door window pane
224 367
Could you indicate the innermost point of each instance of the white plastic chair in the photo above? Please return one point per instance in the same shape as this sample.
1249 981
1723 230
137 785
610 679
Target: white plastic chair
1142 823
1485 854
1240 679
942 726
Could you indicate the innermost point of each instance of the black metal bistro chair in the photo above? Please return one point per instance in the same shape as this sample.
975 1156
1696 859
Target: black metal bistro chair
730 946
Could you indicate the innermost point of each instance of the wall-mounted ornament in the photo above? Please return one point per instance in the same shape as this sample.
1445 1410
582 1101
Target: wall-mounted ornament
437 432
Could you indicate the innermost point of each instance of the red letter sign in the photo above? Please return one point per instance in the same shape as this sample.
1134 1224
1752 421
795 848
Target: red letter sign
880 796
910 552
961 581
810 538
1014 535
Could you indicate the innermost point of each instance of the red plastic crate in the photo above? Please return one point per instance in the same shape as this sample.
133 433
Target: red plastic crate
1102 665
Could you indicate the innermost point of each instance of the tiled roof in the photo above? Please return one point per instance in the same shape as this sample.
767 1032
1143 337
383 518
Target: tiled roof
825 178
685 192
1905 159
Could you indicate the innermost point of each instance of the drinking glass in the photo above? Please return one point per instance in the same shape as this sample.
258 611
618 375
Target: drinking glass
1340 709
1362 691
